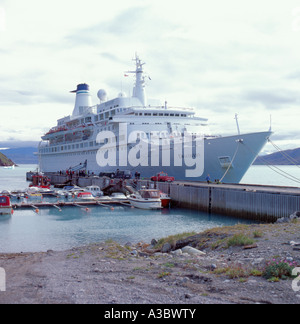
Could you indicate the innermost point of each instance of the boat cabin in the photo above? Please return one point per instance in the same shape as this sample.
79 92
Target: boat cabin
4 201
40 181
150 193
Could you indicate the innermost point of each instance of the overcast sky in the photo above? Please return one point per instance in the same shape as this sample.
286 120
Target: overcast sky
221 57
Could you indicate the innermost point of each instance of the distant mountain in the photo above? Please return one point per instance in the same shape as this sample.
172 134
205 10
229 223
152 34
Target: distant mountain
280 158
22 155
5 161
20 152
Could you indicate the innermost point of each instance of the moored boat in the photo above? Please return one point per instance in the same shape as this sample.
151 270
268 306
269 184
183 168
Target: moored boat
118 196
146 199
95 191
85 196
130 131
5 205
40 181
165 200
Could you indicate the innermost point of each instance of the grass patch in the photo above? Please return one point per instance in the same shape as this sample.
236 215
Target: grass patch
233 272
257 234
163 274
239 240
172 239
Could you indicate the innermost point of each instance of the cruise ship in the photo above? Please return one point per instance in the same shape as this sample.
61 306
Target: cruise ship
144 135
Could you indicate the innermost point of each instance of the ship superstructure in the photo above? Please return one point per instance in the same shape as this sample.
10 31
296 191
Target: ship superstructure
136 133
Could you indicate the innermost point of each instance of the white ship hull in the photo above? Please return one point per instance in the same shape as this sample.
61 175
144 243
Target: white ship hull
213 149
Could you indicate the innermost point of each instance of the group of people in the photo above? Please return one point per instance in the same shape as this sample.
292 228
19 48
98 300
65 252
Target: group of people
208 180
80 173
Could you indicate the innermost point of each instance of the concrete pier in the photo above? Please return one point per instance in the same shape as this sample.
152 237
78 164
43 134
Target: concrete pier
260 203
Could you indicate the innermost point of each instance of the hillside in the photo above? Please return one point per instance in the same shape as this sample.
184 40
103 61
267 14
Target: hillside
279 158
5 161
22 155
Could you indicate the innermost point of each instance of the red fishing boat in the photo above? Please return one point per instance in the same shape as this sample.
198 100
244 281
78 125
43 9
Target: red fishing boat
165 200
40 181
5 205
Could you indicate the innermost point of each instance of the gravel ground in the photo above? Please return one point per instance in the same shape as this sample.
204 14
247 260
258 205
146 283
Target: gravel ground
108 273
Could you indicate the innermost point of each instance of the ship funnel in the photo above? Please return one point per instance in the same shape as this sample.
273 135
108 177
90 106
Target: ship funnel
83 99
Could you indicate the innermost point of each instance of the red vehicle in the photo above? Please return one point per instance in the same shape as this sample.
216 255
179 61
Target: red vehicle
162 177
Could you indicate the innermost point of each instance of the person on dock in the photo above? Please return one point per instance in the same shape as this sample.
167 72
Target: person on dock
208 179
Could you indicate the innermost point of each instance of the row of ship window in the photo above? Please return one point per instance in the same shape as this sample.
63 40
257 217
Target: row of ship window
108 114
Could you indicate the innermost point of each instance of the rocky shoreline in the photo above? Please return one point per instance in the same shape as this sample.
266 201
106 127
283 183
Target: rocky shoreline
219 266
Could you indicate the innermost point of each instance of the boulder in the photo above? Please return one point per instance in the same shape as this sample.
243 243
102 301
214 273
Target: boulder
295 215
192 251
166 248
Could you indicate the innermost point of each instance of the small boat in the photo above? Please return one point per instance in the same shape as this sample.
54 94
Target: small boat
40 181
95 191
9 167
146 199
85 196
33 192
118 196
6 193
165 200
5 205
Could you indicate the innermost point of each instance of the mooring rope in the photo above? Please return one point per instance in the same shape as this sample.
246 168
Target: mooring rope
276 169
230 165
288 157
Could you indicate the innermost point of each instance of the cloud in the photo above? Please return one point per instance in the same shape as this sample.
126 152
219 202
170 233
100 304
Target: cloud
220 57
272 98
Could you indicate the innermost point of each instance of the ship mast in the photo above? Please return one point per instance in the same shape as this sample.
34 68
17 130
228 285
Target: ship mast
139 87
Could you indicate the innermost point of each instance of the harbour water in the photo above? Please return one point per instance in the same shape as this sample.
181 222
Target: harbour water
28 231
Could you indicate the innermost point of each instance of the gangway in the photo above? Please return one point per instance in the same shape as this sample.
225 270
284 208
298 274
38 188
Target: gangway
79 167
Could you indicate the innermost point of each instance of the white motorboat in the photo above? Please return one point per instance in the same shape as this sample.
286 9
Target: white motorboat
33 192
118 196
5 205
95 191
5 193
85 196
146 199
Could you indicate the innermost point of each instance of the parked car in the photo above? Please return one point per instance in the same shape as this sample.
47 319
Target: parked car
107 174
162 177
123 175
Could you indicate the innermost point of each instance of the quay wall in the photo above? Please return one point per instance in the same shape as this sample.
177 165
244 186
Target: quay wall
259 203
